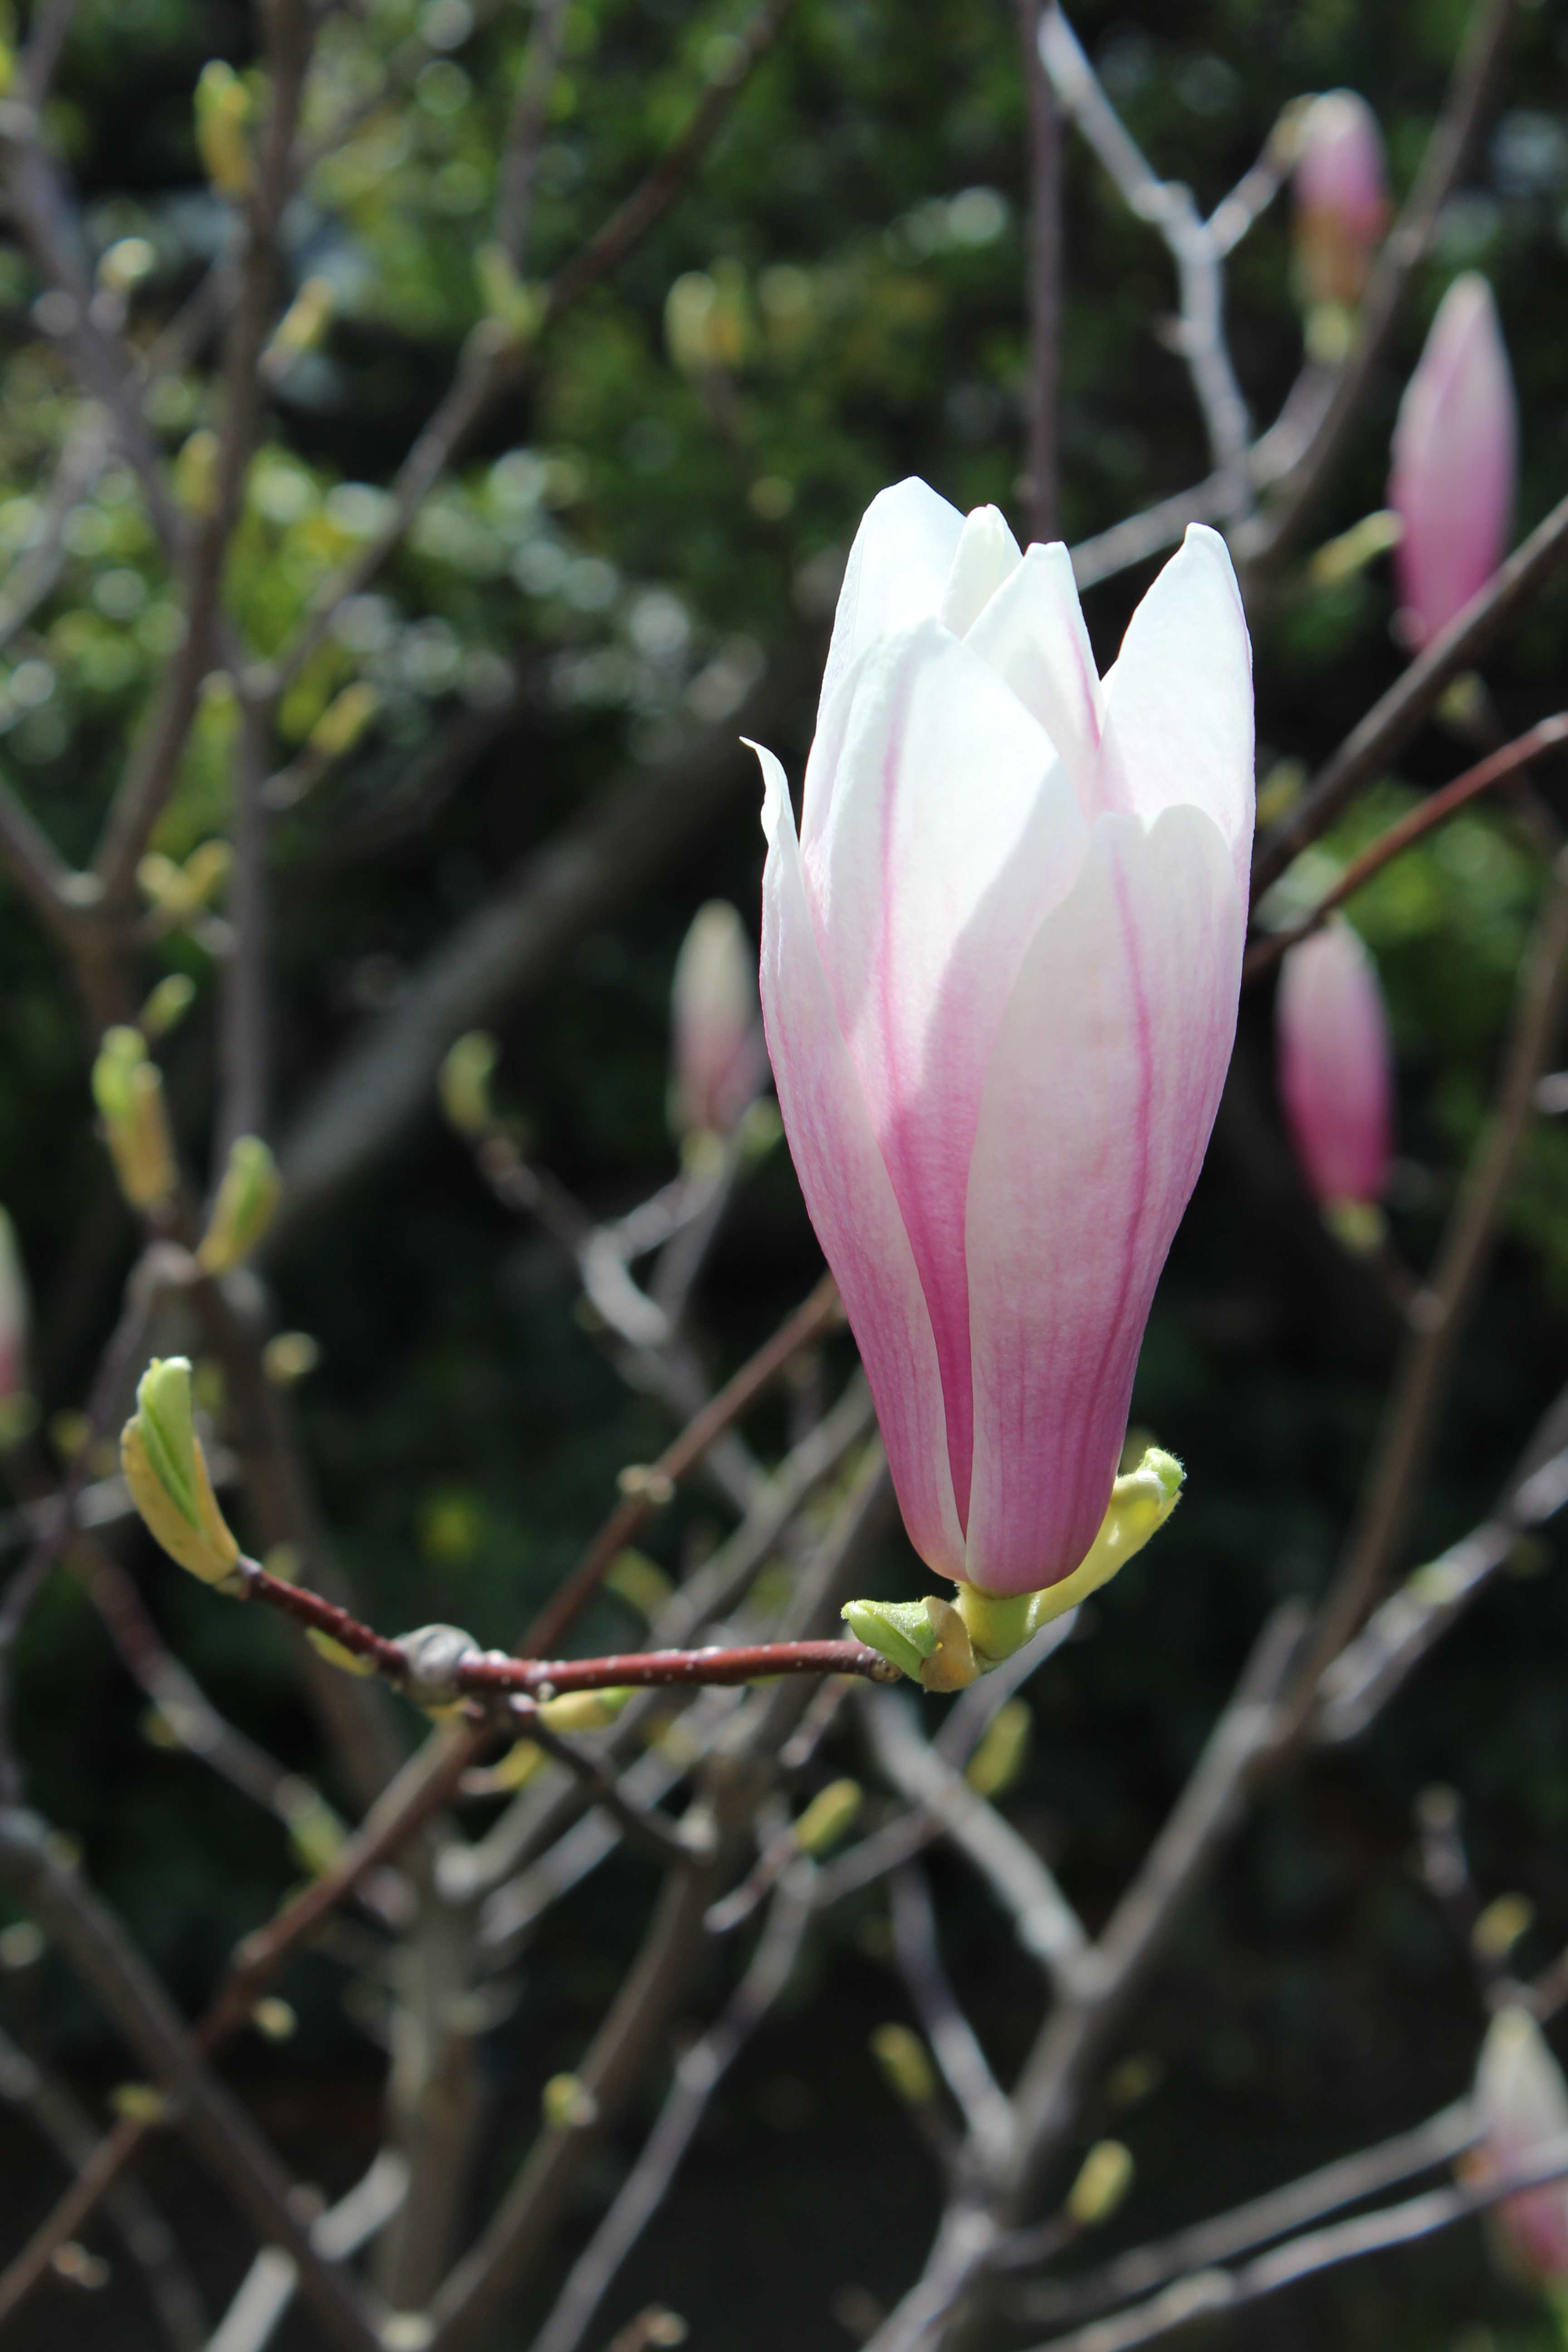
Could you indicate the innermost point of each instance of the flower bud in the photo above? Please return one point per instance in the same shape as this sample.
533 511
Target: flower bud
464 1084
245 1206
905 2065
129 1092
1002 1753
1455 462
828 1817
1341 200
1104 2178
717 1042
167 1006
1521 2105
1335 1066
167 1472
223 117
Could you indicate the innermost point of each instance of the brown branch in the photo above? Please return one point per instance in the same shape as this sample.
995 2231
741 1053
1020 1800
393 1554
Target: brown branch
1206 2293
1407 247
1045 155
98 1948
809 1320
1434 810
1394 717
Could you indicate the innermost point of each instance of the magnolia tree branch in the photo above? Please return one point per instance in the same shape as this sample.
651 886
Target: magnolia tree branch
1499 766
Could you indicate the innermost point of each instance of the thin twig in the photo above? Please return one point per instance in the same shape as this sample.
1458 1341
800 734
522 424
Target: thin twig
1410 1417
1434 810
966 2069
1203 2294
1395 716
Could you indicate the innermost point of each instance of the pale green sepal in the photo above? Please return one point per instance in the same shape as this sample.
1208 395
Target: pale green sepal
997 1623
1140 1502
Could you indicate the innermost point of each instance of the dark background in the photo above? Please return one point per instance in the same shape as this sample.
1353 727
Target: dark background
464 1426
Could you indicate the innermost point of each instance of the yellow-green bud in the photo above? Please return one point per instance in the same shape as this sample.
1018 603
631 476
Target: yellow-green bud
1000 1757
828 1817
905 2065
1103 2180
129 1092
347 1662
316 1834
275 2019
1355 549
167 1472
344 720
167 1006
139 2102
1500 1926
568 2104
289 1356
464 1085
508 300
245 1205
927 1640
303 323
223 117
638 1580
583 1710
195 473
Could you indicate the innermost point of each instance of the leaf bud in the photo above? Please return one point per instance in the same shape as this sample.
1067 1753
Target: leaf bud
829 1817
222 106
1104 2178
905 2065
167 1472
129 1092
245 1205
464 1085
1003 1751
568 2104
167 1006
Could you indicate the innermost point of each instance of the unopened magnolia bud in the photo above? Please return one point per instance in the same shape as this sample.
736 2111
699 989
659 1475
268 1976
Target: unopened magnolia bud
905 2065
1341 199
1454 463
167 1006
1103 2181
245 1205
1335 1063
167 1472
829 1816
15 1315
344 720
129 1092
223 117
568 2104
717 1046
464 1085
1001 1755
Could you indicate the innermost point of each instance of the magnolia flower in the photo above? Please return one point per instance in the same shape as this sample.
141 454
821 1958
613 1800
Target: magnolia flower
1342 197
1455 458
1521 2105
1000 969
716 1041
1336 1066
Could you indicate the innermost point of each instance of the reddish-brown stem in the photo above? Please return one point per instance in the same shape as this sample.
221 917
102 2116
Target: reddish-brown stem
1433 812
809 1319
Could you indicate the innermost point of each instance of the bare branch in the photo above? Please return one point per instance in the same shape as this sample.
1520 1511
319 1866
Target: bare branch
267 2288
525 134
988 2118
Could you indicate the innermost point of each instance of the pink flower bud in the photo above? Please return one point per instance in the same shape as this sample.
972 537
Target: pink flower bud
719 1060
1336 1066
1341 198
14 1314
1000 970
1455 458
1521 2105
